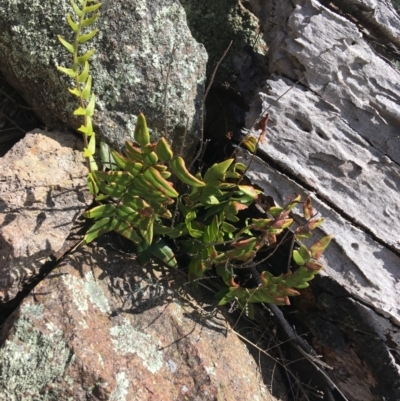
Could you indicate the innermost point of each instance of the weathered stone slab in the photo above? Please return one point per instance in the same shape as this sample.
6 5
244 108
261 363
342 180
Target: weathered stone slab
133 52
364 268
329 54
100 327
42 191
336 134
309 138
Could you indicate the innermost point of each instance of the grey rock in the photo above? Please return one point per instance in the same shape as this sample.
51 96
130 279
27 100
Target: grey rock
42 191
245 66
336 134
129 69
309 138
363 267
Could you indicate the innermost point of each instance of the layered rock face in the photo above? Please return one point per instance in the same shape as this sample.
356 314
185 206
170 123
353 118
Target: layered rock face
334 134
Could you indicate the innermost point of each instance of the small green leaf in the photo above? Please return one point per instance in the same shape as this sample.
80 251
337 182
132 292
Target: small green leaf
142 136
88 130
122 178
72 23
87 152
304 252
92 145
69 71
217 172
74 91
100 211
147 230
82 59
66 44
211 231
275 211
89 21
228 228
293 203
298 259
163 252
249 190
126 230
250 143
77 10
88 87
93 188
84 74
232 218
282 224
102 226
261 224
90 106
126 213
79 111
135 202
313 224
89 9
87 36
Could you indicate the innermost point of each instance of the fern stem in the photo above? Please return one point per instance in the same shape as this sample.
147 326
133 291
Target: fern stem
78 84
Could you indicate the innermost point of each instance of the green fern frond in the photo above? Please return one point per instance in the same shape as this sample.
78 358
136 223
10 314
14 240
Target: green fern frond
80 69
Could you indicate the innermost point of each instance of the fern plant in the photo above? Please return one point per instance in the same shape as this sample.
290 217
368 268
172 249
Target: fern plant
138 202
84 17
206 218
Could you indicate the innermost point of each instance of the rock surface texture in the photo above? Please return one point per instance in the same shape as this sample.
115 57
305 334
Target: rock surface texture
335 135
42 191
99 327
133 51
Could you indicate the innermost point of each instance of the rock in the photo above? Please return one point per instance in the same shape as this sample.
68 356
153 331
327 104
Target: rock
244 67
42 191
325 144
100 327
334 135
352 310
133 52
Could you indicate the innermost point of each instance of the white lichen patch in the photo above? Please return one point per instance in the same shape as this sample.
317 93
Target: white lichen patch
210 370
86 290
78 296
120 392
95 293
127 340
32 311
30 362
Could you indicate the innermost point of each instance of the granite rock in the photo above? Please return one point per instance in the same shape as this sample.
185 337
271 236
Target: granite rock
133 51
43 191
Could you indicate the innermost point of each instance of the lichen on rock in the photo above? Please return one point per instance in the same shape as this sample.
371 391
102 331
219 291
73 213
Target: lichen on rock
133 52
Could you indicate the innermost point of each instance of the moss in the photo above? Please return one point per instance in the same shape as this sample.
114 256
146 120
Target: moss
32 361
